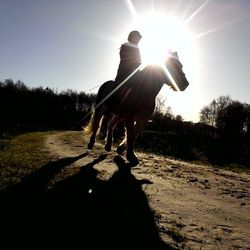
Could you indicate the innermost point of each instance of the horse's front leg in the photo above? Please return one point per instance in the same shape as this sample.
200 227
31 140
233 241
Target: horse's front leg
111 125
139 126
131 134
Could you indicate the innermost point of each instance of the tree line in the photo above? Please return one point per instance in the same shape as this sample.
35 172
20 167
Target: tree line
25 109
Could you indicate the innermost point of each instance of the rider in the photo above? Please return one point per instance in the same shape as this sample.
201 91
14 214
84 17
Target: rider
130 58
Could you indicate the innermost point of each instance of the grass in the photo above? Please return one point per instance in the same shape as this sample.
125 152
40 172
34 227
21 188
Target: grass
20 156
72 137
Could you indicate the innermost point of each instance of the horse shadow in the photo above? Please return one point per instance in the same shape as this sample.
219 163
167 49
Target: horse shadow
83 210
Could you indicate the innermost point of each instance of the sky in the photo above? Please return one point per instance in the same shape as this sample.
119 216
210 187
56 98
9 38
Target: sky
74 44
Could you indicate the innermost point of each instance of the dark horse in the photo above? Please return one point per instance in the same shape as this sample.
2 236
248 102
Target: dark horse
134 102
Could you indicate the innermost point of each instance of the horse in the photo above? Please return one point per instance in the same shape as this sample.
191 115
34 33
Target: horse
133 101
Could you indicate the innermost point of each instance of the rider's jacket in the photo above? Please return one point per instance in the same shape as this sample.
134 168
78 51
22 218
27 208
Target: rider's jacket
130 59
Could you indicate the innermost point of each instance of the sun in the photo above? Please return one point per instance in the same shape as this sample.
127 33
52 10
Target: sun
161 33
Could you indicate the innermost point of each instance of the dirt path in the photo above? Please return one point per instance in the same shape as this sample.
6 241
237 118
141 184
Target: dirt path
196 206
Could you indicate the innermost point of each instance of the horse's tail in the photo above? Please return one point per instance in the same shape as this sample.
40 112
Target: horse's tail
103 91
88 129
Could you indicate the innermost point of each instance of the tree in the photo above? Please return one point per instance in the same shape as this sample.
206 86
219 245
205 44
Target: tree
247 121
160 105
231 119
179 118
206 116
209 113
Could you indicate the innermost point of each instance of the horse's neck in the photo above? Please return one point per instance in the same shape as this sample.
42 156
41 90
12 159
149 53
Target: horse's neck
155 77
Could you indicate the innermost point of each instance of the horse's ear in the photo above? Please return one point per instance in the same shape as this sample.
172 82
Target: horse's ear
173 54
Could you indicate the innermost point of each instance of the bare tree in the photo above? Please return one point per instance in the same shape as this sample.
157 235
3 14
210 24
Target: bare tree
209 113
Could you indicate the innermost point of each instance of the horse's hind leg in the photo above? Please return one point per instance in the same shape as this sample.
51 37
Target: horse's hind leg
112 124
104 126
122 146
96 121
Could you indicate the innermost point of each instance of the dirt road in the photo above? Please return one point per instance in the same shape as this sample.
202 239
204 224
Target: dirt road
194 206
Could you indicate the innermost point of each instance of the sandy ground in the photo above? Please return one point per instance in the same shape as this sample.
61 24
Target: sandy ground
203 207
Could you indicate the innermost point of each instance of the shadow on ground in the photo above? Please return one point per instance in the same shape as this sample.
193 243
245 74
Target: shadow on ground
81 210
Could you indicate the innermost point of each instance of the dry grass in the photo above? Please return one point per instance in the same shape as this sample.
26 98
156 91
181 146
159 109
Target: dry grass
20 156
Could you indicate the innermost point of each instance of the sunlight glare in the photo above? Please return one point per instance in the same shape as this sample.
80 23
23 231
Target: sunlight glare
160 34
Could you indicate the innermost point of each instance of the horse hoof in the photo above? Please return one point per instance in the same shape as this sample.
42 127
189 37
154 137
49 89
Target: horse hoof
107 148
120 150
90 145
132 158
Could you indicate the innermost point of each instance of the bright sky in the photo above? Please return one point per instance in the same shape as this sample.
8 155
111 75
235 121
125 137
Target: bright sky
74 44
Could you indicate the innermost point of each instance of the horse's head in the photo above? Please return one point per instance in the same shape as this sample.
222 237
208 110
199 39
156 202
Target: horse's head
174 67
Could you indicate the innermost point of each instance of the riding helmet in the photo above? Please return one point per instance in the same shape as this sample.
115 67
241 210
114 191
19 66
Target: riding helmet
134 33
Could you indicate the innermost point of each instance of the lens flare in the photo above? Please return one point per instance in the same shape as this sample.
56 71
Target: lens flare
161 34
